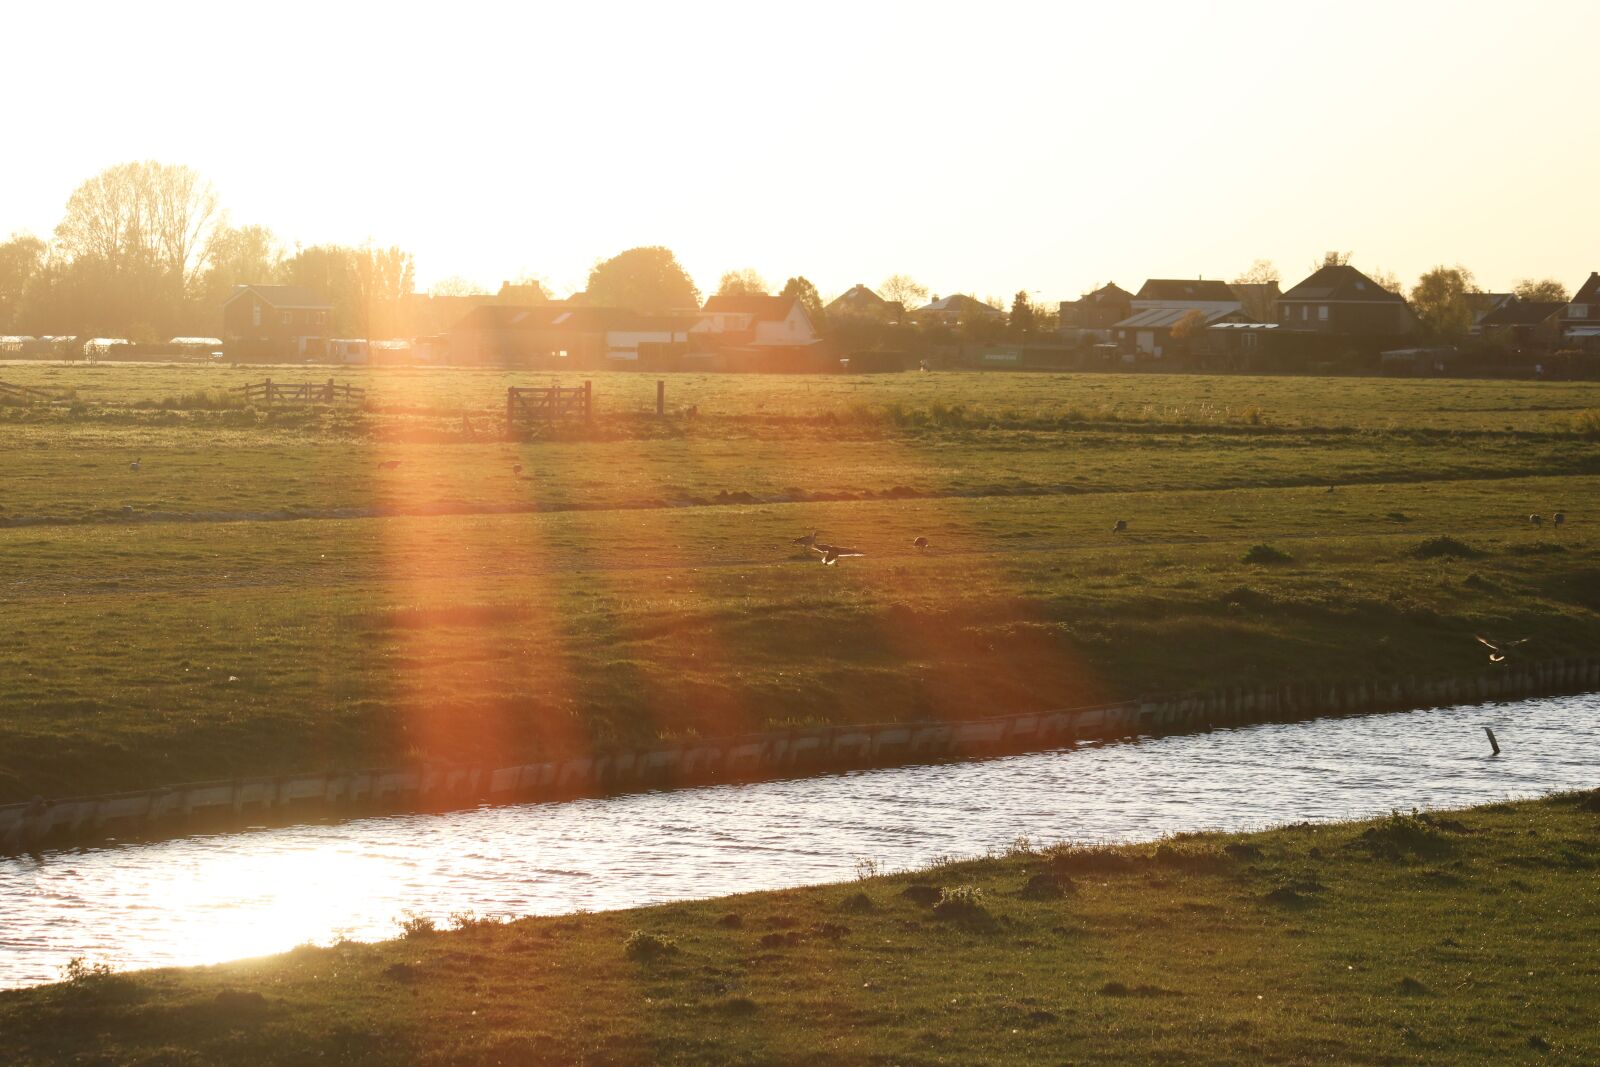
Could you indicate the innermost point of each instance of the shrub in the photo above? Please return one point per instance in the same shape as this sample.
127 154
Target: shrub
414 925
644 946
960 902
79 971
1265 553
1442 548
471 920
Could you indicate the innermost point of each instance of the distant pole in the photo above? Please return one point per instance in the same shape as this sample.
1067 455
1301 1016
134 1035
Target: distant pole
1495 744
661 397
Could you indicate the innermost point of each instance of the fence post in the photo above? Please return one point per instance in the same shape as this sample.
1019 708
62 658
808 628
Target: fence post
511 400
330 390
588 399
269 390
661 397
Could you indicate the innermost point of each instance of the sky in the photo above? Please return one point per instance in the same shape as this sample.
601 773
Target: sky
981 148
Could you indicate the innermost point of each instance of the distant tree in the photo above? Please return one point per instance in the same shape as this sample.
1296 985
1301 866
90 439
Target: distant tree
1388 279
141 215
802 290
1190 329
1543 290
904 290
456 285
330 271
1258 302
384 279
237 255
1021 319
22 266
1441 301
646 279
742 282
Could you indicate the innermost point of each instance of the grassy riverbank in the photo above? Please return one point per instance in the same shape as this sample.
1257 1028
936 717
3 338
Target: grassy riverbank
634 580
1462 937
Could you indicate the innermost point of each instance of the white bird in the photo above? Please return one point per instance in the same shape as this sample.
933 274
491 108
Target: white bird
134 466
1496 652
832 554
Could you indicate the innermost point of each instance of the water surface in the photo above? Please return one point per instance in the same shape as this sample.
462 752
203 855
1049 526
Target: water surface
206 899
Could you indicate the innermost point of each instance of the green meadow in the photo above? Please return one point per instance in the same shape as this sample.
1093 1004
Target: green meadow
277 590
1445 938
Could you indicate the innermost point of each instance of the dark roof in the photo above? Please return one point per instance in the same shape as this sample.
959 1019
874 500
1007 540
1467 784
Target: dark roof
1186 289
1108 293
1589 292
1516 312
1342 283
282 296
860 294
763 307
961 302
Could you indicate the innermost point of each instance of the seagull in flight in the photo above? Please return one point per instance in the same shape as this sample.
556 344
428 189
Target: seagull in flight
1497 653
832 554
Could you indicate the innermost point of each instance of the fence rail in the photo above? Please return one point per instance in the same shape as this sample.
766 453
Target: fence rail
25 392
548 403
271 392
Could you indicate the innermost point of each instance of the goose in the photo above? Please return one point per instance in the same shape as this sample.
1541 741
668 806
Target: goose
135 465
516 468
806 541
921 542
1330 488
389 464
1559 517
1536 520
1496 652
1122 524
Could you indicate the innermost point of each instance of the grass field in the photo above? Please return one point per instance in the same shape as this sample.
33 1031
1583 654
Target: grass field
1454 938
282 591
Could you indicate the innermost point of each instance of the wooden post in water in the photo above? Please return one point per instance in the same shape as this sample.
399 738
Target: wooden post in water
1495 744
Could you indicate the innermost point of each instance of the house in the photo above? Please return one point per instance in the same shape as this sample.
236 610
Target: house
1190 295
1339 300
859 302
550 335
1483 304
1524 325
954 310
1580 322
648 341
269 323
1099 310
1160 332
757 332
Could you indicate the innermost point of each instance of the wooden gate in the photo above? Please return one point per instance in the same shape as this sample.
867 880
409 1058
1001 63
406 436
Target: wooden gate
549 403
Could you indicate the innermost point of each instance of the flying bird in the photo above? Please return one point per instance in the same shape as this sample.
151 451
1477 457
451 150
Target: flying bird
832 554
1497 653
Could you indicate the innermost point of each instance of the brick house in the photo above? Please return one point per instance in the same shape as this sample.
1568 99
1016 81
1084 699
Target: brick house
1341 301
273 323
1580 322
1099 310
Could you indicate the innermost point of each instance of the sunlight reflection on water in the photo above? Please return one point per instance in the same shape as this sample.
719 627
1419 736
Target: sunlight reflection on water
206 899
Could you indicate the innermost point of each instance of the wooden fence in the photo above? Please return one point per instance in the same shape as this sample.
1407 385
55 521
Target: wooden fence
271 392
549 403
24 392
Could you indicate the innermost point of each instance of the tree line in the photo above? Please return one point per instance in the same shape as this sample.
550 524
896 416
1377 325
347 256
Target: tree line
145 250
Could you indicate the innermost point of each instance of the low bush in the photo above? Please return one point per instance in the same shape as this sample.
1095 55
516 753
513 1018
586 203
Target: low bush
1265 553
643 946
1442 548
